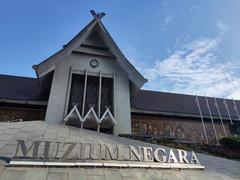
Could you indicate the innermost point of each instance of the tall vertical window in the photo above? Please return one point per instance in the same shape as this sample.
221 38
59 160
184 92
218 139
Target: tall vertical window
92 91
107 94
77 89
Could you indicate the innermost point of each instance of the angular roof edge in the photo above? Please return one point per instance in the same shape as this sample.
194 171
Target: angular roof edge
67 49
64 49
122 55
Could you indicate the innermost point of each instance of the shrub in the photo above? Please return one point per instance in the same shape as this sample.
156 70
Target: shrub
231 142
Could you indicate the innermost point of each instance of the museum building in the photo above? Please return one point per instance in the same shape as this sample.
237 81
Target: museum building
64 124
90 84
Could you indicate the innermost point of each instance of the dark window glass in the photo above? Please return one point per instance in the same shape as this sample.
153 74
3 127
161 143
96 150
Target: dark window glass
107 94
76 93
92 93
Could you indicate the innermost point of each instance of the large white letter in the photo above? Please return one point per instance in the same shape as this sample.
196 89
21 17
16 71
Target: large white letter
171 157
147 154
182 156
112 152
157 155
194 159
25 150
135 152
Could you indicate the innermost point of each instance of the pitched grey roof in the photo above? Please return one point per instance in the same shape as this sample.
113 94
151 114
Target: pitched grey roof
25 88
133 74
19 88
74 39
146 101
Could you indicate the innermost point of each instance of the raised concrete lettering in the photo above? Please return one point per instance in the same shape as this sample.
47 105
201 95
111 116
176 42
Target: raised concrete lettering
72 151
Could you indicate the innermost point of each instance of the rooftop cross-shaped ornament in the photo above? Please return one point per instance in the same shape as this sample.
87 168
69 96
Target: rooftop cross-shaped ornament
97 16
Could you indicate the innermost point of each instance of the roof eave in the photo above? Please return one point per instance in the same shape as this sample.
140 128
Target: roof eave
67 49
141 79
27 102
178 114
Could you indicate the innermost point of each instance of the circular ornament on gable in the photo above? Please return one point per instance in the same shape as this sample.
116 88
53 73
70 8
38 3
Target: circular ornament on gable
93 63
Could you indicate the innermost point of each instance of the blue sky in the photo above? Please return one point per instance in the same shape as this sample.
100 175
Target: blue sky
189 46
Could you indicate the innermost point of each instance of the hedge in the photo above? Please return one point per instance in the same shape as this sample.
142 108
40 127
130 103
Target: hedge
231 142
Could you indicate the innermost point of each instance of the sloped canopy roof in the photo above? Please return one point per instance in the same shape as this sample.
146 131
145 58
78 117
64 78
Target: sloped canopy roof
27 89
47 65
19 88
177 104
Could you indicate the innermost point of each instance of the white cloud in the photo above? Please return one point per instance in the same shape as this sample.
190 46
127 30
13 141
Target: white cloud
223 28
167 19
193 8
196 69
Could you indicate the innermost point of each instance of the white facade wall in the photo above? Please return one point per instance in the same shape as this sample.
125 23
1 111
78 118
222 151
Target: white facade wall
58 99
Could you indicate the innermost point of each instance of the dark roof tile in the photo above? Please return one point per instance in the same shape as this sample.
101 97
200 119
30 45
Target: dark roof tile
182 104
19 88
25 88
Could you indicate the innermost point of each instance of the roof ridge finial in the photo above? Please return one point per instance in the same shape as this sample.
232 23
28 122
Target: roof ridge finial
97 16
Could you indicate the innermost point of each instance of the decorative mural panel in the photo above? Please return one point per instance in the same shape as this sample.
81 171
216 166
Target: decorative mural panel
177 128
24 114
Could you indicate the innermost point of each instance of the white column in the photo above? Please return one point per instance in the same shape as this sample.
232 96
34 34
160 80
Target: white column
235 107
226 106
68 91
84 93
114 96
200 112
220 116
210 113
99 98
99 94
